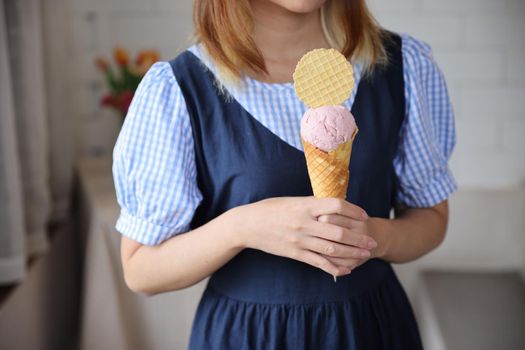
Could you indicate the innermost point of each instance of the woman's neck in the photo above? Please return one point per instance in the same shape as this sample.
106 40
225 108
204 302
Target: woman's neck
283 37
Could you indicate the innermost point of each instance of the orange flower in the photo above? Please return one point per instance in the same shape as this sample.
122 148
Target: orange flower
102 64
147 56
144 61
121 56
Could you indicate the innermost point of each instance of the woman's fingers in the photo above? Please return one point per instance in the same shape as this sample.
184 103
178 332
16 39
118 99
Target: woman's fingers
333 249
343 221
340 234
351 264
327 206
321 262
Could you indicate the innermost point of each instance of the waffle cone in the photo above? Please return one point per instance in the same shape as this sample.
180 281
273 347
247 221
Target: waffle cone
329 171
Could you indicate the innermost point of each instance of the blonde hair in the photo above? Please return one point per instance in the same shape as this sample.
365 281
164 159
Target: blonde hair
225 32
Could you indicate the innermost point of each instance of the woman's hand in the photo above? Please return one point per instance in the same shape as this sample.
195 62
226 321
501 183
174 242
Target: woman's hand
357 226
289 227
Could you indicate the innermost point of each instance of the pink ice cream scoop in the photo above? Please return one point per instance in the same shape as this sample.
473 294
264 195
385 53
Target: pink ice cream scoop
327 127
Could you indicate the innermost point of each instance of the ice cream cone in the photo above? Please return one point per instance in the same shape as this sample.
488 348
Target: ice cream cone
324 77
329 171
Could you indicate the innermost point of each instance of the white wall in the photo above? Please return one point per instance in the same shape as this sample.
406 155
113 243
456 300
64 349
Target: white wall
480 46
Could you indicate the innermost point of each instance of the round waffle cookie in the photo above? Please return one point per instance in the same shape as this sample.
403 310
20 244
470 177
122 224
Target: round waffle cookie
323 77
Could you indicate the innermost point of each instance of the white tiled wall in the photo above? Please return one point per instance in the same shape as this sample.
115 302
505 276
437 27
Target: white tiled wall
480 45
97 26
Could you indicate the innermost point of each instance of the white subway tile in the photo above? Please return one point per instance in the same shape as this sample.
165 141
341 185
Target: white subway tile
482 66
82 6
85 68
394 6
85 33
482 223
492 102
86 97
151 31
491 170
182 7
439 31
514 136
470 6
516 5
90 34
496 32
515 66
97 135
479 136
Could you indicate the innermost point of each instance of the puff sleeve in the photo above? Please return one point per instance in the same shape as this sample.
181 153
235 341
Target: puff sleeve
428 132
153 162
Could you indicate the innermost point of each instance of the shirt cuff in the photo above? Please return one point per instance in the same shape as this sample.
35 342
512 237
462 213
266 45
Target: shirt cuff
143 231
436 191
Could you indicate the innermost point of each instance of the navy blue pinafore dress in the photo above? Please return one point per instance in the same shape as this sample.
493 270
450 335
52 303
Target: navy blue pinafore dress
262 301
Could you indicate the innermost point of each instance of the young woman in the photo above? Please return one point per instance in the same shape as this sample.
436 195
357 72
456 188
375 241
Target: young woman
212 180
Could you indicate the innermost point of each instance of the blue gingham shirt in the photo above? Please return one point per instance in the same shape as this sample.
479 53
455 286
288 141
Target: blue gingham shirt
154 162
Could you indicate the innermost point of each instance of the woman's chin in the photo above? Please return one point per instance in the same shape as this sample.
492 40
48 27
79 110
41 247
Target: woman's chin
299 6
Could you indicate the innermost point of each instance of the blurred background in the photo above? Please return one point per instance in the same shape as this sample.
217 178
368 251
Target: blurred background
60 280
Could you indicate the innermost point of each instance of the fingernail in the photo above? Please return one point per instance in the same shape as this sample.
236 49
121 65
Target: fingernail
372 244
365 253
365 215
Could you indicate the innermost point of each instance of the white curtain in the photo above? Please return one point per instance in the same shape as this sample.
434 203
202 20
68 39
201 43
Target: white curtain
25 173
